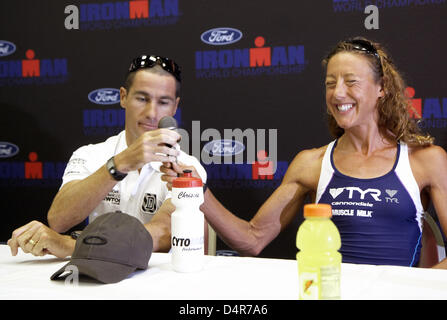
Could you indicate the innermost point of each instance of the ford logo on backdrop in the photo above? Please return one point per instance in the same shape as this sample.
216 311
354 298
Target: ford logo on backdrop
224 147
8 149
104 96
221 36
6 48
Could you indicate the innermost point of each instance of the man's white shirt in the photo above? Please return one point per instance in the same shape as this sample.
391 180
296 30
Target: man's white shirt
139 194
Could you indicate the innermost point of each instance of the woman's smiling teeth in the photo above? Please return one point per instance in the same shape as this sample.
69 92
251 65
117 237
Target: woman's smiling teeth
345 107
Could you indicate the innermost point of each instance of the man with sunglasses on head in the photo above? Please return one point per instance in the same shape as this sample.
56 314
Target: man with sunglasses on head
118 174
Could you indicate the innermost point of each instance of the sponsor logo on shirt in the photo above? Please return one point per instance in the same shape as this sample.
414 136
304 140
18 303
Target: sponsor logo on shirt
367 197
113 197
149 203
374 193
391 194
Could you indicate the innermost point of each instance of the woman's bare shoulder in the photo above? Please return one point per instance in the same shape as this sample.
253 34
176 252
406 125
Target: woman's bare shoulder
306 166
428 163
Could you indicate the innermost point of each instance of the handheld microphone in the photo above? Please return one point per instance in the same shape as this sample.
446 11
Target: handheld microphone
167 122
170 123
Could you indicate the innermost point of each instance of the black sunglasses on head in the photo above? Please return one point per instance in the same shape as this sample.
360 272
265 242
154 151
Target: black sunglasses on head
367 47
149 61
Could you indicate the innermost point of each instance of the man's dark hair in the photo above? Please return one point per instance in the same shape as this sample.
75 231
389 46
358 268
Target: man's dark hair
155 69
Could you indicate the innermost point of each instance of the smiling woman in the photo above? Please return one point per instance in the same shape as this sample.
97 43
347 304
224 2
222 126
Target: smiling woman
351 91
378 175
392 104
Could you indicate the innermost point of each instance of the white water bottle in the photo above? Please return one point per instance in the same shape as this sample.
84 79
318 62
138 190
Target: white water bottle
187 224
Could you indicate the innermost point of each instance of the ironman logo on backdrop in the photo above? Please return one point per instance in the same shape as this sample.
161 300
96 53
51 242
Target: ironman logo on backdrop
30 70
121 14
251 57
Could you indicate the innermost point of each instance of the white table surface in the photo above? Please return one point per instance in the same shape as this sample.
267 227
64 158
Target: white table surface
235 278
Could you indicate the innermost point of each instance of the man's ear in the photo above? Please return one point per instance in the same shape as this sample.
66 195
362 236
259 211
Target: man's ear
123 96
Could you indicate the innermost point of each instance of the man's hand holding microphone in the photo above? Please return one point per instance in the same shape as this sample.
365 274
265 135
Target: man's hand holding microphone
151 146
173 169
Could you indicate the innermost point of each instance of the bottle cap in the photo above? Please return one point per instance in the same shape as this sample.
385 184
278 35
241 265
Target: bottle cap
318 210
187 181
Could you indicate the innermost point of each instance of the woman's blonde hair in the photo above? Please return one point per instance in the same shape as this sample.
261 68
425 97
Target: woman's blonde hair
395 122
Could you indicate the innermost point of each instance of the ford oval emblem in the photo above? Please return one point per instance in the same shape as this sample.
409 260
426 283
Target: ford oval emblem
224 147
8 149
104 96
221 36
6 48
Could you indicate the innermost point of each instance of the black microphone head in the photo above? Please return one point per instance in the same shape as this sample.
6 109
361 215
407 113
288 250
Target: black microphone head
167 122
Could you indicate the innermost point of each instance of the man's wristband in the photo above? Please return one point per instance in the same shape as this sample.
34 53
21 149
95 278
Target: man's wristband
118 176
75 234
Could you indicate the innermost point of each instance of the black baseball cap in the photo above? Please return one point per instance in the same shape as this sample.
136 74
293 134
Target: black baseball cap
110 248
